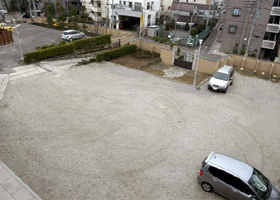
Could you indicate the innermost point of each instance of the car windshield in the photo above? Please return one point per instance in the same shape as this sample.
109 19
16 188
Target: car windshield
221 76
259 183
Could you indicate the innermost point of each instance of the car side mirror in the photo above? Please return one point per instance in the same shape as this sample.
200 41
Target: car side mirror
252 197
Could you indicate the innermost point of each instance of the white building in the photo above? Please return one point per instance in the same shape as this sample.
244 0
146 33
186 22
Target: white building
123 14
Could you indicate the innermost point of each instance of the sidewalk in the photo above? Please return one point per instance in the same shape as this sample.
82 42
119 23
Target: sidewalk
12 188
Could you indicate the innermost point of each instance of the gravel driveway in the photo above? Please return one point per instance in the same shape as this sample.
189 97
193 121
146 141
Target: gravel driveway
109 132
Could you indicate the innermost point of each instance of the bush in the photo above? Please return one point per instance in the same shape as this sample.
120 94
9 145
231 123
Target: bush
49 53
115 53
235 51
91 43
167 27
161 40
194 31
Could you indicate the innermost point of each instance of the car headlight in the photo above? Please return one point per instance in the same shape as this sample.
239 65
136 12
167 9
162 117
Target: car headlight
223 86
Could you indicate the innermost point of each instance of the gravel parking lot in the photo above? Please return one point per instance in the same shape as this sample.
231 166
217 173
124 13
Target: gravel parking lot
30 36
105 131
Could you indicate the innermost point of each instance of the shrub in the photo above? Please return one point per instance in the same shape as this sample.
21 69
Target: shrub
49 53
91 43
194 31
156 38
115 53
172 23
167 27
235 51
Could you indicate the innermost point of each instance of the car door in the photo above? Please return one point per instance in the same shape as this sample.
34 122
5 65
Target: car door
239 189
231 76
219 186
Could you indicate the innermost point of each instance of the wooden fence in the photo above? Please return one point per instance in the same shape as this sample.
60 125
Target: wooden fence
6 37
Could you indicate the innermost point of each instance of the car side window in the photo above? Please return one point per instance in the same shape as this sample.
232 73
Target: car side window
230 180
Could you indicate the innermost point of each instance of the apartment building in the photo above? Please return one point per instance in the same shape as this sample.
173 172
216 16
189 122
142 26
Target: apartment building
123 14
237 21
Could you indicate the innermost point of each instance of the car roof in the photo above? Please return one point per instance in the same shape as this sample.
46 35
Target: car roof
225 69
68 31
231 165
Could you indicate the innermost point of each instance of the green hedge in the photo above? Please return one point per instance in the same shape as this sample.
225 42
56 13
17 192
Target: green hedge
49 53
115 53
91 43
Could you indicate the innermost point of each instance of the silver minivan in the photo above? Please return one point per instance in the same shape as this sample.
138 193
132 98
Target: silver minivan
235 179
221 79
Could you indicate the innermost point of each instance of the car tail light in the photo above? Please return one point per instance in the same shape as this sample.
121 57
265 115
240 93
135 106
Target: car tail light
200 173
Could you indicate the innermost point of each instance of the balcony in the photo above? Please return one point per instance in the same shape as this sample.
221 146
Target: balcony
267 44
96 9
95 17
275 11
273 28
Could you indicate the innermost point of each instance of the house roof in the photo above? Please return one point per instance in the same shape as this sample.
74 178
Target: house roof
183 7
191 6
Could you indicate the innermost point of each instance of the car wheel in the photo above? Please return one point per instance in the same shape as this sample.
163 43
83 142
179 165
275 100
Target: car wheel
83 36
70 39
225 91
231 83
206 187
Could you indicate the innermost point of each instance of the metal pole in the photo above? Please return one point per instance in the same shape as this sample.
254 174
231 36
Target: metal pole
113 14
35 13
20 48
176 21
252 28
30 10
196 62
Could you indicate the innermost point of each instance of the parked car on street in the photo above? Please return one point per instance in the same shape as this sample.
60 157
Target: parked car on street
71 35
221 79
6 27
235 179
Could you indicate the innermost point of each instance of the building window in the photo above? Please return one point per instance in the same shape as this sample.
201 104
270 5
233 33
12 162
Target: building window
270 36
124 3
138 6
274 20
148 6
232 29
194 0
236 11
120 2
130 4
276 3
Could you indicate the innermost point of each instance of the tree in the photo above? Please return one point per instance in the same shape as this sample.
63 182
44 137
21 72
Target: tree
84 17
194 31
167 26
172 23
72 17
187 27
201 26
49 12
61 16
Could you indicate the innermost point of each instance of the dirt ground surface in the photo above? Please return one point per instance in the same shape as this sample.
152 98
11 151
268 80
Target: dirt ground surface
160 69
104 131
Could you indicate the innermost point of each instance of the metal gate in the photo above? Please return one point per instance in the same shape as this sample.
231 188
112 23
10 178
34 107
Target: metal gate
184 61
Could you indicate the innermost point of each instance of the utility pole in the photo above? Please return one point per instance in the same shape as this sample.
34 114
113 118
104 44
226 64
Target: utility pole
176 21
30 11
256 15
107 9
208 14
113 14
35 13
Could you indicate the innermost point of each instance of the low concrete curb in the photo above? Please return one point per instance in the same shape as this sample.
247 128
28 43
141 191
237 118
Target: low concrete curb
12 187
4 79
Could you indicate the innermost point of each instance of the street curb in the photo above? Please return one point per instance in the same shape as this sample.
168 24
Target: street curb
20 181
3 84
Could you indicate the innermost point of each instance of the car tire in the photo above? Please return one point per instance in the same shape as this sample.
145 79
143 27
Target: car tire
231 83
225 91
70 39
83 36
206 187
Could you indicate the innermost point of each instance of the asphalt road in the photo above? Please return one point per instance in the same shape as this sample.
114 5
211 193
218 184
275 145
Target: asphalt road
30 36
109 132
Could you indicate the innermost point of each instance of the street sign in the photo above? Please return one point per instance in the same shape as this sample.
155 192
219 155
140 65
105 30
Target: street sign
190 41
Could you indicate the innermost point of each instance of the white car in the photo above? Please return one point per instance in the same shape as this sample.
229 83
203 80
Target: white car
222 78
71 35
